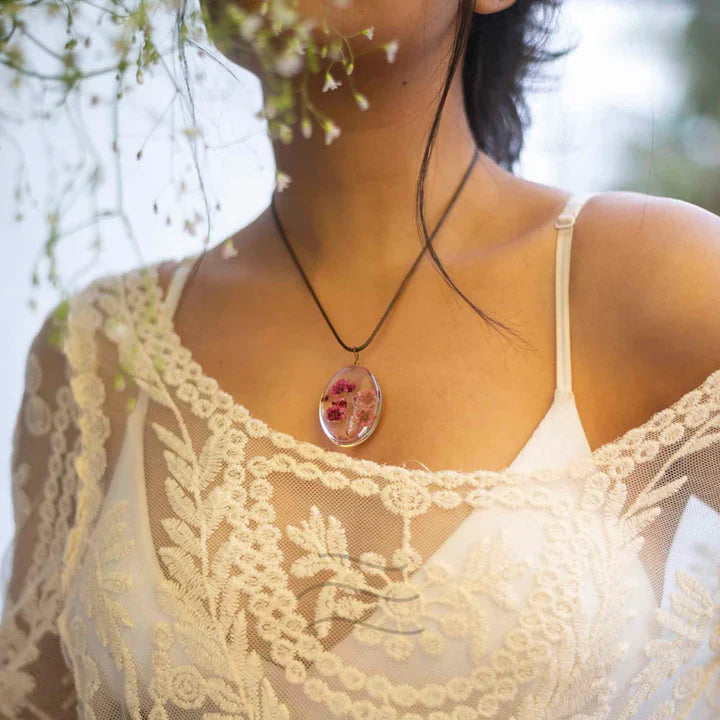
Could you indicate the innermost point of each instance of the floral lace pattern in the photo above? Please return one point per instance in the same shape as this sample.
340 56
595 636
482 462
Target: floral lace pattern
44 486
274 605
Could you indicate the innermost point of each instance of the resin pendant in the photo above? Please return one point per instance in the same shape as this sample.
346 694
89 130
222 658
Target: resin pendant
350 406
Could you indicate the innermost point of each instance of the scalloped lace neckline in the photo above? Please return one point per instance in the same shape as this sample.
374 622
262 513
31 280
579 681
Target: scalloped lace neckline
368 466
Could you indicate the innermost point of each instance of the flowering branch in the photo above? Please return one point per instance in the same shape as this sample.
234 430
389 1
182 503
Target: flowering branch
275 33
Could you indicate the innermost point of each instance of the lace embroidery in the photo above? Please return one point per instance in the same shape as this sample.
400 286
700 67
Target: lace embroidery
43 460
100 588
60 484
216 485
85 669
185 687
20 499
89 393
693 611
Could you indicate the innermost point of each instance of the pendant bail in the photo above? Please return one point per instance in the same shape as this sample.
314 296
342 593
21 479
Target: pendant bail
356 357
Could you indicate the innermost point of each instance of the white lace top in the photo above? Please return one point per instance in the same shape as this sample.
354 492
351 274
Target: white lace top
177 558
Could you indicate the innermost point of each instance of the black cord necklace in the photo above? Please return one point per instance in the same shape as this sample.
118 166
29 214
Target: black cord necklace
351 403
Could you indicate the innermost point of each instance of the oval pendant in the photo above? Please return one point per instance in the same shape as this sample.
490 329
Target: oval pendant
350 406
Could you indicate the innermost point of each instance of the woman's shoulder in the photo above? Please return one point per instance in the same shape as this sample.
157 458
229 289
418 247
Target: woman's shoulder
658 257
93 320
647 218
647 272
109 291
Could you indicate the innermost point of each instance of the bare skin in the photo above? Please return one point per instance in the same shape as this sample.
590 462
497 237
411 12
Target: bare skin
479 396
349 216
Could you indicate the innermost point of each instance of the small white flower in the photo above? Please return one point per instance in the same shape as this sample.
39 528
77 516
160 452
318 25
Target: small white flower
368 32
330 82
304 29
282 15
331 131
361 100
270 109
250 25
306 127
288 64
285 133
391 50
228 249
282 180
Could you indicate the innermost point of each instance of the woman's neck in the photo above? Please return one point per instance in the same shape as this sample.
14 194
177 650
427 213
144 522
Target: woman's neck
351 204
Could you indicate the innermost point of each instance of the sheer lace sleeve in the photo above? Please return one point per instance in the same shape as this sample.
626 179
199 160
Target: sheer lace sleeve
35 681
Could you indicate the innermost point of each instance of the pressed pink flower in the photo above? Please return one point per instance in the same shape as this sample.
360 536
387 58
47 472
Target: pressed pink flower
366 397
342 385
364 415
342 402
334 413
338 387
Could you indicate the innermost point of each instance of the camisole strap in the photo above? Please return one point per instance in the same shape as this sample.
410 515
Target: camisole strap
176 284
565 224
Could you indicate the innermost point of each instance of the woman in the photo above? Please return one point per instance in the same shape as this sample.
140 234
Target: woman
182 556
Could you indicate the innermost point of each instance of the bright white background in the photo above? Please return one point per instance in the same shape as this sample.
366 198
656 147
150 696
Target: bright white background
613 86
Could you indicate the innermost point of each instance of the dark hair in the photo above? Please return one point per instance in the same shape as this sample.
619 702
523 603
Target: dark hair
498 51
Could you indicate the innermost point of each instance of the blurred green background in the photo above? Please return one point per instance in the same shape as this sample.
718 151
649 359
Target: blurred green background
682 159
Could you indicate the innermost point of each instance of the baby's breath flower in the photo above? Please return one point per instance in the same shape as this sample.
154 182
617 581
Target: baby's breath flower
288 64
249 26
330 82
368 32
285 133
282 180
361 100
228 249
282 15
391 50
331 131
269 109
